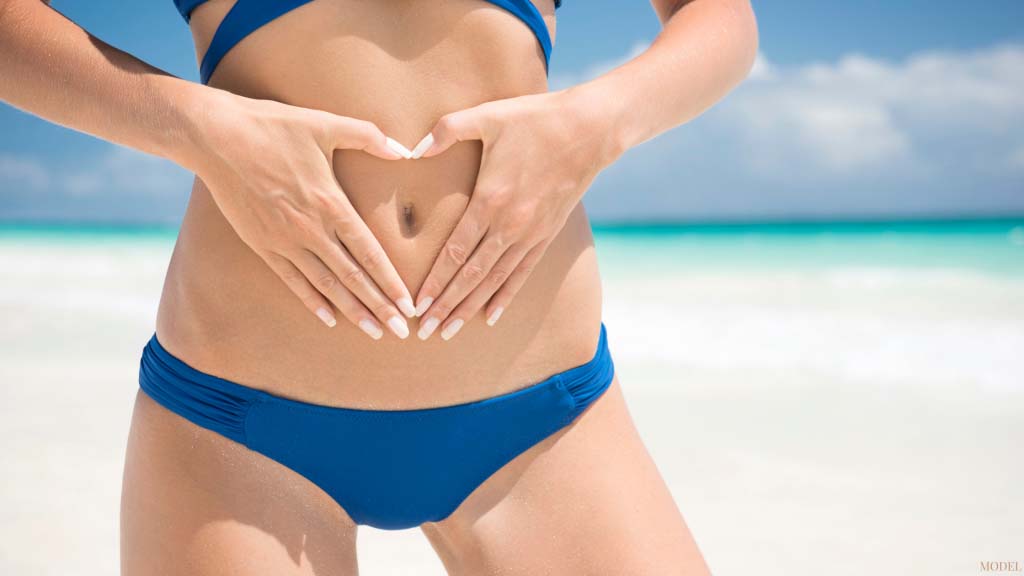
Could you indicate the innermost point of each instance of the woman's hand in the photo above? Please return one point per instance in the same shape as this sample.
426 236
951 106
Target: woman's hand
269 167
540 154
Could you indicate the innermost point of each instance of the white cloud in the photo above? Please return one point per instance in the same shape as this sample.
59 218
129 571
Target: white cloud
818 130
862 113
939 129
22 172
118 184
762 69
118 169
126 169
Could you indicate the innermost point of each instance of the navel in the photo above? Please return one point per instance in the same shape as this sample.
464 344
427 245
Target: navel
408 219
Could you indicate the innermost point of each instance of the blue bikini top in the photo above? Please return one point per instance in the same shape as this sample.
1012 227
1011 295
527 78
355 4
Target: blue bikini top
246 16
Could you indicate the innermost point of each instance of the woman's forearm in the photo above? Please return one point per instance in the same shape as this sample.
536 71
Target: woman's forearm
704 50
54 69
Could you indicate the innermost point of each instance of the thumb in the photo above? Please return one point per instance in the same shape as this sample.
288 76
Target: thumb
355 134
450 129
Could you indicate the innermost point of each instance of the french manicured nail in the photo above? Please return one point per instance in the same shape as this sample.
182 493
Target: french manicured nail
405 305
326 316
371 328
424 304
495 315
398 326
451 329
428 328
420 148
397 147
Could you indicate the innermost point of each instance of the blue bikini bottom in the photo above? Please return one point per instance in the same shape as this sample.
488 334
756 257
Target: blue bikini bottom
390 469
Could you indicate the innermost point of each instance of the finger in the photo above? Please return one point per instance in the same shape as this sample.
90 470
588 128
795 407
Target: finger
360 285
328 285
515 281
452 128
468 277
301 287
356 134
455 252
335 289
497 277
358 240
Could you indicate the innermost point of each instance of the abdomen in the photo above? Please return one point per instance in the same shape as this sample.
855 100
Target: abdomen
401 65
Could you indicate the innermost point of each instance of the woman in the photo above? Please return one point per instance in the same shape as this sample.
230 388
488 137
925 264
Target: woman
274 414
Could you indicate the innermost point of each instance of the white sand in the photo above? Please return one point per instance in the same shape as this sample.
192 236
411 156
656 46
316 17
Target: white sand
823 420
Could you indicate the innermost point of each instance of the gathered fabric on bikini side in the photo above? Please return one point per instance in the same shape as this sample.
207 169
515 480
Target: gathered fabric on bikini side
247 16
586 382
211 402
391 469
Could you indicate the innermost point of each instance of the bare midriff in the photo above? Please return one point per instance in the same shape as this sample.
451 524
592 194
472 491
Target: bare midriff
401 65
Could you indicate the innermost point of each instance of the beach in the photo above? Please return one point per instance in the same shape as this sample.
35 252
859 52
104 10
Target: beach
829 398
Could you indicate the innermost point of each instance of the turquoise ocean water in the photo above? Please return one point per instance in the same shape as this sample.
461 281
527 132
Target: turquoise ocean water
994 246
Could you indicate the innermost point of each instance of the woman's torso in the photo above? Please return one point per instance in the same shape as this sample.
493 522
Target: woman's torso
400 64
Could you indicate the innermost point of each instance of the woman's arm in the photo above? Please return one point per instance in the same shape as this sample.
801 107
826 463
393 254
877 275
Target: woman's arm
267 165
54 69
706 48
542 151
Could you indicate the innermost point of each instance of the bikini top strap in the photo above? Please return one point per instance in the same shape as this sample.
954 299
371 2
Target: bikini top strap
244 18
529 14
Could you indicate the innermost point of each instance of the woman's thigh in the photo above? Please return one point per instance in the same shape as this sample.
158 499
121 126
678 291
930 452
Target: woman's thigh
587 500
194 502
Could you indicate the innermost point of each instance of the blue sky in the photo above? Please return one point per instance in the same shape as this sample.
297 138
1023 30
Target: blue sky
855 110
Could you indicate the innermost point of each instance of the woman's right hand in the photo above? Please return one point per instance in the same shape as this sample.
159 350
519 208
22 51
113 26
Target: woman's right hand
269 168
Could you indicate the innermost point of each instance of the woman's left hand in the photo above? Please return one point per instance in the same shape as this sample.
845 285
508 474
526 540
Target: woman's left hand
540 154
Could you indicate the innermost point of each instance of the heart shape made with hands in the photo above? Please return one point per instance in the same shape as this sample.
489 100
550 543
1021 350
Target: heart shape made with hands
416 152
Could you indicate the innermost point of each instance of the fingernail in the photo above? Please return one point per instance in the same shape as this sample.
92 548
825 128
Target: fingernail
398 326
397 147
371 328
405 305
424 304
326 316
451 329
420 148
495 315
428 328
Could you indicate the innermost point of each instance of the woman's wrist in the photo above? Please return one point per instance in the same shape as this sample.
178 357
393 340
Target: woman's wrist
601 110
185 140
